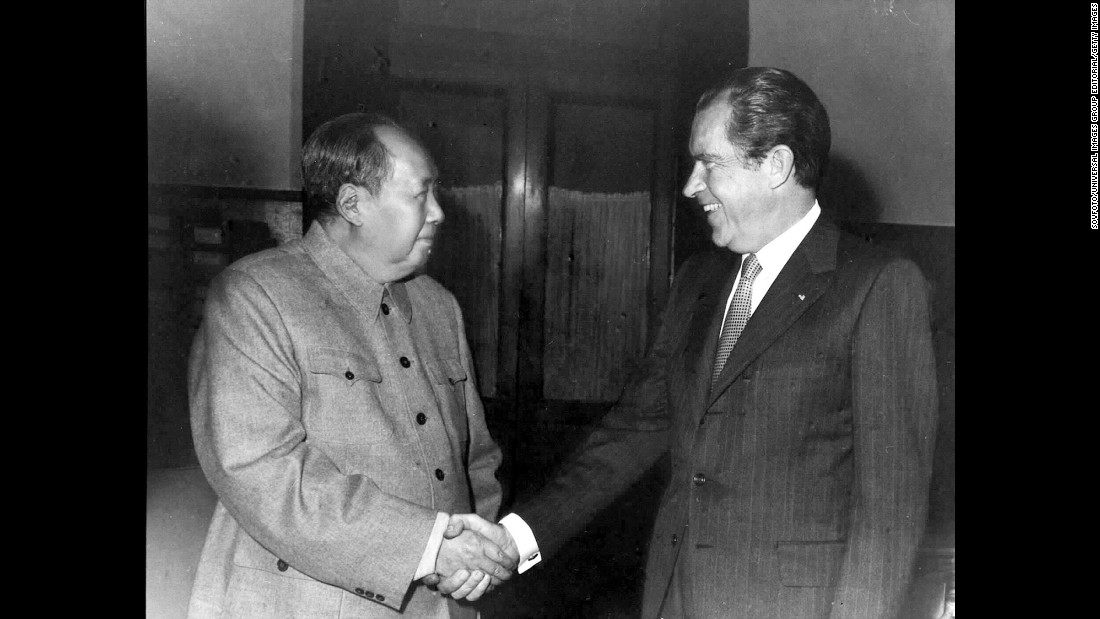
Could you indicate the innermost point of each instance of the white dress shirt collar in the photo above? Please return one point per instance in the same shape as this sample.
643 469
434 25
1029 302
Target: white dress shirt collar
774 256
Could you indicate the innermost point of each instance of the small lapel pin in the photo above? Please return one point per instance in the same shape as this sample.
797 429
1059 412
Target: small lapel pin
801 297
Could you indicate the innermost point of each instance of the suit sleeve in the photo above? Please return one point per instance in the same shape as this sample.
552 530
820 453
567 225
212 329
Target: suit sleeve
618 450
894 416
287 494
484 455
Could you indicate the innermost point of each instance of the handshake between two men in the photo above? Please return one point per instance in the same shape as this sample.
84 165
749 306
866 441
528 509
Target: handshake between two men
476 555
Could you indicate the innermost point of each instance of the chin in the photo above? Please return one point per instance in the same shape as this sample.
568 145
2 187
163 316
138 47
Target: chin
724 242
733 242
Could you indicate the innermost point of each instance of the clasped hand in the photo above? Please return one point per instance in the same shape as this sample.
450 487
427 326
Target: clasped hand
476 555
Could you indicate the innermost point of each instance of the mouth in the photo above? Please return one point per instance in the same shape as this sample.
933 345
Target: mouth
710 208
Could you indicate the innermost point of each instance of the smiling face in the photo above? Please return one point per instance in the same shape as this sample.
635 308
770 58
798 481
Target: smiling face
738 200
400 222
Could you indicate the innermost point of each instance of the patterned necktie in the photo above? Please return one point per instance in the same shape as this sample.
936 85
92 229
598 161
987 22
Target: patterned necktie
736 316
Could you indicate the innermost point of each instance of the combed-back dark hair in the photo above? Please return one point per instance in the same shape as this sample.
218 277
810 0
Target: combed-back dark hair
345 149
772 107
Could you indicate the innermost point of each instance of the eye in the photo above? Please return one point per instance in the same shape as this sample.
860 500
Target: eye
432 188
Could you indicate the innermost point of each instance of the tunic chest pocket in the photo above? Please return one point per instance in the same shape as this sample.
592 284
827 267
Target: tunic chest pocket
346 408
449 380
446 371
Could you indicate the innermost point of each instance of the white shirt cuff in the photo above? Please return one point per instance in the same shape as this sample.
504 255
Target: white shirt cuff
525 541
431 552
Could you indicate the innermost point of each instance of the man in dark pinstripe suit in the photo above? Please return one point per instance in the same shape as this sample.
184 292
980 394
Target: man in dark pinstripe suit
801 439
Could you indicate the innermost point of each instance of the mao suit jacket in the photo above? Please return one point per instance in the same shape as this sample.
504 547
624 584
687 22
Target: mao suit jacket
799 482
334 418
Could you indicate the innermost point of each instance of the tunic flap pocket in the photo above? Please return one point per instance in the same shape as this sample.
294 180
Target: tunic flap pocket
251 555
809 564
348 365
446 371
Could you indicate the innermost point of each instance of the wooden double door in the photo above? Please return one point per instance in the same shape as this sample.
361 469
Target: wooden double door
553 242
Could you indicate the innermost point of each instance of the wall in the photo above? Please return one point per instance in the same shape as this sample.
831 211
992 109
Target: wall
224 92
885 70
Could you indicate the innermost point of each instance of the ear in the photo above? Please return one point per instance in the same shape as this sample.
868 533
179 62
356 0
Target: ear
349 203
780 164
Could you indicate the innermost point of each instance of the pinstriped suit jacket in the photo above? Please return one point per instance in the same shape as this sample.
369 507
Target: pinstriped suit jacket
815 443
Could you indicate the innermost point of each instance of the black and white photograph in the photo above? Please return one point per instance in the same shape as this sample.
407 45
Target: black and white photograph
506 309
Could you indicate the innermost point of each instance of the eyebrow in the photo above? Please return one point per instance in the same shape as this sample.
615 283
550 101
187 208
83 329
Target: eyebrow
432 178
428 182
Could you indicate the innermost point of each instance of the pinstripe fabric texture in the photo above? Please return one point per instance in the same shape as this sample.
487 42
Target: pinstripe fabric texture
814 446
737 315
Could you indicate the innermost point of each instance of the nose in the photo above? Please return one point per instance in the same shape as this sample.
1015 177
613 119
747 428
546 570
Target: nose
435 211
694 182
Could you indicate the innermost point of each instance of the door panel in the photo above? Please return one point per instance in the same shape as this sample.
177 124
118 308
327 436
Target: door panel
597 248
464 131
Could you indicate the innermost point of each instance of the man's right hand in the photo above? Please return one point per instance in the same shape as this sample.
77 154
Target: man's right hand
494 532
472 585
472 562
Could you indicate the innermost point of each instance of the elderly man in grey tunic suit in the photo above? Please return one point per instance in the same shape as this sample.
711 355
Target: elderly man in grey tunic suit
334 408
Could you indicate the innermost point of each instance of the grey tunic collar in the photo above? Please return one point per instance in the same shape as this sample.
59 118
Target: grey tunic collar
364 293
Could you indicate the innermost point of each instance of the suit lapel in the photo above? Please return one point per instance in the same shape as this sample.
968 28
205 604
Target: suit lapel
706 319
708 316
802 281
